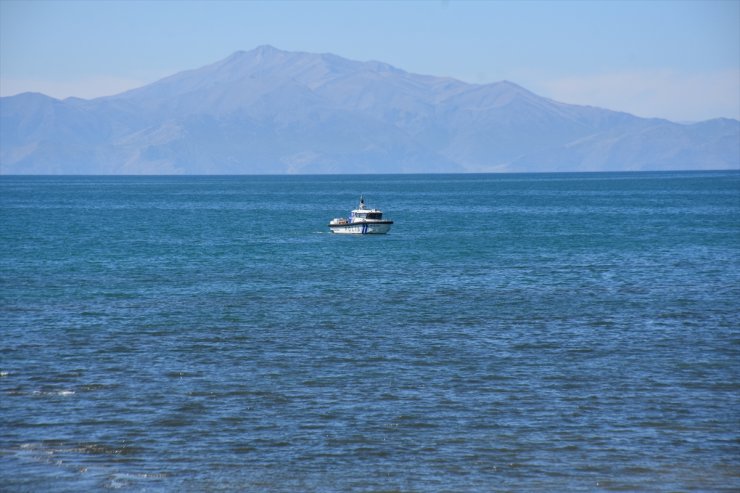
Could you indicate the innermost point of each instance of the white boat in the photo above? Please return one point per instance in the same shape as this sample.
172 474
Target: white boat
362 221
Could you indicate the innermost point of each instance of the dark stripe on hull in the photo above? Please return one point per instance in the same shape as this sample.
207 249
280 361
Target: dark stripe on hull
359 223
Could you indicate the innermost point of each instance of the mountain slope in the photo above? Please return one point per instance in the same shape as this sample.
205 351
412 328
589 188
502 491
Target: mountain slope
272 111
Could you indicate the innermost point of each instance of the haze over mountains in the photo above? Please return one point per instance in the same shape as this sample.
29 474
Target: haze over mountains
273 111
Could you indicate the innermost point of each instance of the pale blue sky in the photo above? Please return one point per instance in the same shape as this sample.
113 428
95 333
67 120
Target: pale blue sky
673 59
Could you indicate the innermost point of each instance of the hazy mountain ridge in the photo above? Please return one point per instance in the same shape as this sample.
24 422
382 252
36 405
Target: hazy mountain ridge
272 111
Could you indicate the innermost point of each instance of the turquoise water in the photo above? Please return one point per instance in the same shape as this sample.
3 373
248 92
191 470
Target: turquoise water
554 332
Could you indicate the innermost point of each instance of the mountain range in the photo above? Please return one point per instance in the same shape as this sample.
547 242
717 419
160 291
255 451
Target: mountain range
273 111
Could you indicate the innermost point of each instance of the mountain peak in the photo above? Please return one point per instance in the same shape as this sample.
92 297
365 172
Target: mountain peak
266 50
508 87
258 53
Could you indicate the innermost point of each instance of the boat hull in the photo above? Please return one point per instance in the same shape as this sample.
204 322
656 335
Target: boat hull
362 228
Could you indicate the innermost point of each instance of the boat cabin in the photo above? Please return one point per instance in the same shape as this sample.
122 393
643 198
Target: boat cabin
367 214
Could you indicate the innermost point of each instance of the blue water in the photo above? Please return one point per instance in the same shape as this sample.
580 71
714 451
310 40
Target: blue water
554 332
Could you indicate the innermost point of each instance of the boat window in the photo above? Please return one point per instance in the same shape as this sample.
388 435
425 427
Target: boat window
374 215
361 215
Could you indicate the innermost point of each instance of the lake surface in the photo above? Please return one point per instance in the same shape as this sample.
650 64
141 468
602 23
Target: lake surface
543 332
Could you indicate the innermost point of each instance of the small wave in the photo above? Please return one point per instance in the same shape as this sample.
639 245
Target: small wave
4 373
123 480
54 392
